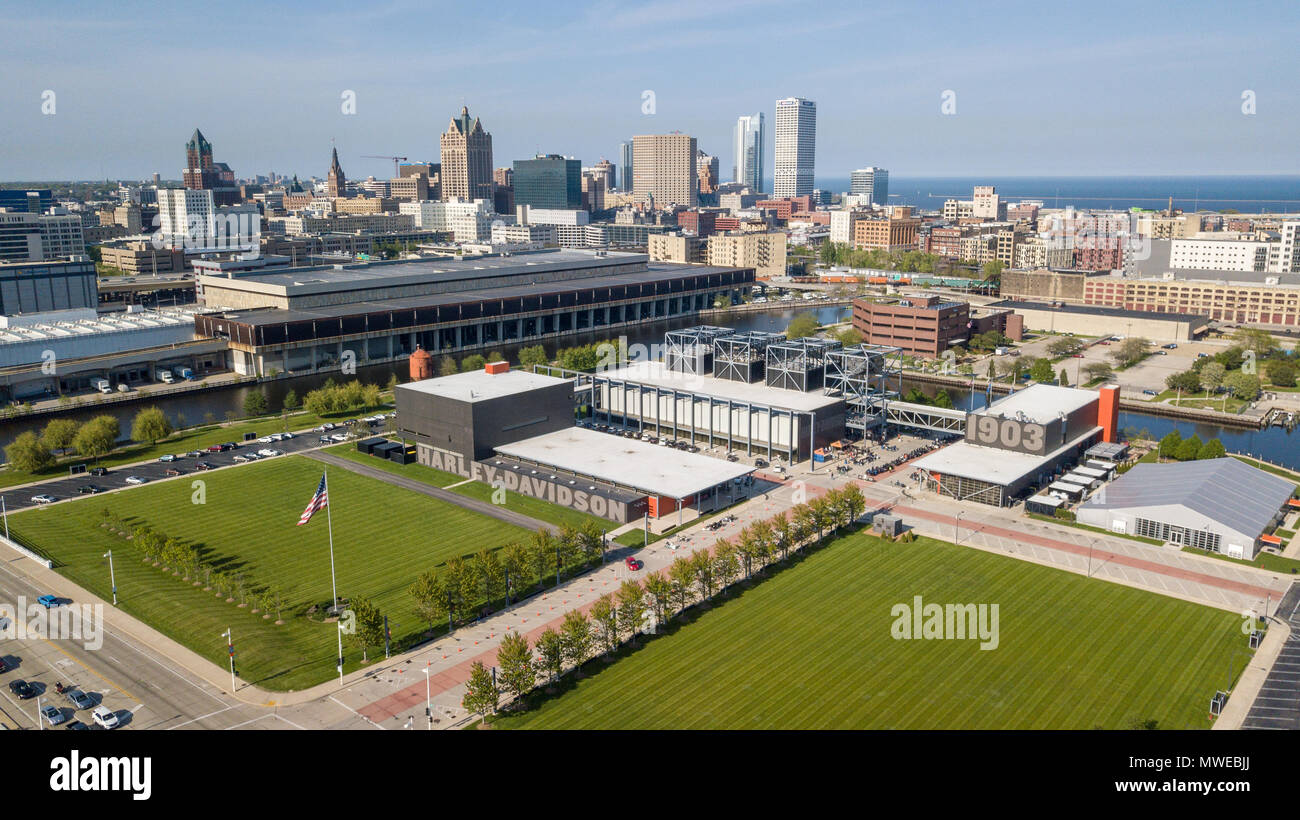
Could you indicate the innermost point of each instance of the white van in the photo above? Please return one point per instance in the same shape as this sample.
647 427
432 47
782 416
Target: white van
163 375
102 385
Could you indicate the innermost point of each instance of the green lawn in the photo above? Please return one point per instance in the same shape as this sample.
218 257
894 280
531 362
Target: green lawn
384 537
811 648
537 508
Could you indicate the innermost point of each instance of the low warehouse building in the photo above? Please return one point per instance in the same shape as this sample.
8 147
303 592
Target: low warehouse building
1089 320
1219 505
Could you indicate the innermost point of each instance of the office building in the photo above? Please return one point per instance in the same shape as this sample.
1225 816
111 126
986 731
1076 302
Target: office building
625 172
872 183
44 287
796 147
28 201
201 173
548 181
764 252
707 168
664 171
748 144
466 171
896 232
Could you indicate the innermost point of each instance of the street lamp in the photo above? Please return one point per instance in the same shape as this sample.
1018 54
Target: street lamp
112 578
5 512
428 700
230 648
956 528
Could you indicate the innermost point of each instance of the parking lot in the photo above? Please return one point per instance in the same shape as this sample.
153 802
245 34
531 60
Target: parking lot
178 465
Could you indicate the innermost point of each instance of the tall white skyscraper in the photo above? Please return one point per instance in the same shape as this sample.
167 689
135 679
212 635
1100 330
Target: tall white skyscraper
872 183
750 137
796 147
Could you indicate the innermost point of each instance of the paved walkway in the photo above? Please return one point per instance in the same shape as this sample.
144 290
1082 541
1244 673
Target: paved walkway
496 511
1274 702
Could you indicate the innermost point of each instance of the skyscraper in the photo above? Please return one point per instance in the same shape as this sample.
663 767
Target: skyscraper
548 181
202 174
338 182
796 147
625 173
871 182
750 137
663 168
466 159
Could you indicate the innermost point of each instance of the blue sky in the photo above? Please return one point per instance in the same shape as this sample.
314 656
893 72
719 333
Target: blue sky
1041 88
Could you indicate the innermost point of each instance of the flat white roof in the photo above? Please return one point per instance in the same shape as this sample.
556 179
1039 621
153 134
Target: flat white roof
1066 486
1042 403
1092 472
990 464
651 468
655 374
478 385
1049 500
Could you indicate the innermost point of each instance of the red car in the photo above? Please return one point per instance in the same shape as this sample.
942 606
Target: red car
633 564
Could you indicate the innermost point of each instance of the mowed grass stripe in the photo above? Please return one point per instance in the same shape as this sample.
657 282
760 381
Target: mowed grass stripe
811 648
384 536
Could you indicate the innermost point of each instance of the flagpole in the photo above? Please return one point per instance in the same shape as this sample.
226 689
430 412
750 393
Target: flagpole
329 519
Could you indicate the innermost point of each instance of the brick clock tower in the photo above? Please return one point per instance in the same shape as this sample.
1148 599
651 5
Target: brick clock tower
338 182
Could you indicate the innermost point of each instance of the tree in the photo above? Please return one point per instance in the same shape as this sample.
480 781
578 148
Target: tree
725 565
495 356
59 434
1064 346
849 337
97 437
481 692
369 626
1169 444
604 616
431 604
28 453
291 401
992 270
805 324
535 355
631 608
1188 381
591 541
702 566
447 366
576 635
255 403
515 563
1062 379
1212 376
550 651
516 662
1188 449
661 592
541 552
1244 386
747 549
1130 351
942 399
854 503
454 576
150 424
1280 372
488 567
1041 370
1259 342
472 362
1097 371
681 577
1211 449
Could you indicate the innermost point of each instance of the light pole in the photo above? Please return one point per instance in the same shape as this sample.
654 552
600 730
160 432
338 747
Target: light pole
230 648
428 699
1091 542
112 577
5 512
956 528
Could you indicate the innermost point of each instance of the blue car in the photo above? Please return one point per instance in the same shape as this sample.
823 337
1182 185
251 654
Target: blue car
48 601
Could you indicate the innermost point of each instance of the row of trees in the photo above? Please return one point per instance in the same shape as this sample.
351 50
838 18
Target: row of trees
465 588
1174 446
342 398
184 560
32 453
618 617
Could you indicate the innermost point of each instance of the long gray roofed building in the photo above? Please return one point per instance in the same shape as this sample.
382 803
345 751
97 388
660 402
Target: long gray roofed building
1220 504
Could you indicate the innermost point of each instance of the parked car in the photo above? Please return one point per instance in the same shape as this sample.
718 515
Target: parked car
284 436
76 726
104 717
326 427
4 667
167 459
22 689
194 454
215 448
268 452
48 601
1170 346
242 458
203 465
1202 355
89 489
265 440
98 471
78 699
53 714
135 479
1150 393
44 498
174 471
633 564
339 437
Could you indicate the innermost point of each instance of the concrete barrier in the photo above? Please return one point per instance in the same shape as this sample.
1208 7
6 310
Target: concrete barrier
45 562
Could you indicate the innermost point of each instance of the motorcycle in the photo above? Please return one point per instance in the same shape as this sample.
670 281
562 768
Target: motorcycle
58 687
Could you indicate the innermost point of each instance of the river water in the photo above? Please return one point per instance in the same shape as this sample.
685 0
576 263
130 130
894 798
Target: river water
1274 444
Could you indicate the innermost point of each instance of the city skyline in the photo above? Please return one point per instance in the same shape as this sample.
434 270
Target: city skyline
1057 108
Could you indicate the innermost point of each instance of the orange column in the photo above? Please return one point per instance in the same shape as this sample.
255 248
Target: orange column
1108 411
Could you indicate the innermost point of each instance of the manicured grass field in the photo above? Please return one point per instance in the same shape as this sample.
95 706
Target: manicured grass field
537 508
384 537
811 648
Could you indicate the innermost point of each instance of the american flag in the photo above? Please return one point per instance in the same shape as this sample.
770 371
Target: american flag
318 502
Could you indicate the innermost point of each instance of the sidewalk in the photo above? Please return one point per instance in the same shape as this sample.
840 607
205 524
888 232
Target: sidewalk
1253 677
